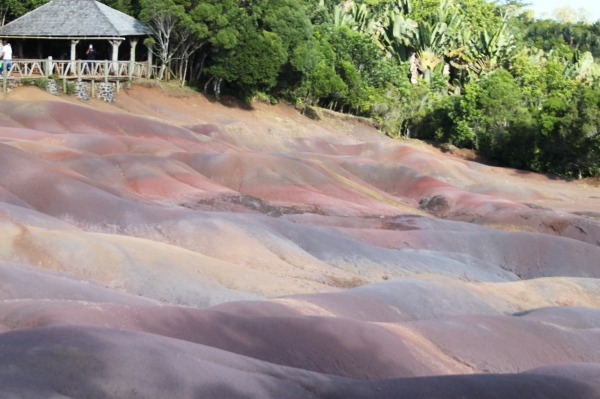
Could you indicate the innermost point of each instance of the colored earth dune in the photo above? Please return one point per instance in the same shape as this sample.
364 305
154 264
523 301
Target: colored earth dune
177 248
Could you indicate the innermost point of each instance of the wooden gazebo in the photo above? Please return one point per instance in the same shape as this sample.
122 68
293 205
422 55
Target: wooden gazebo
76 21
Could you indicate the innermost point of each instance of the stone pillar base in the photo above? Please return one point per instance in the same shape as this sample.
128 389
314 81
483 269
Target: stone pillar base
81 92
106 92
51 87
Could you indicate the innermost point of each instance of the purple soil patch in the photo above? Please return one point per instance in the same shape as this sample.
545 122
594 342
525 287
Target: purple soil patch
390 302
374 252
565 316
101 363
333 346
508 344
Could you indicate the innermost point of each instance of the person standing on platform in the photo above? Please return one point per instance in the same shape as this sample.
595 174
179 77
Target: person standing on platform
91 56
6 57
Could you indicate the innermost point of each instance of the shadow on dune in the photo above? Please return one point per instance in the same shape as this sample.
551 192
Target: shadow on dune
334 346
231 102
37 364
100 363
504 386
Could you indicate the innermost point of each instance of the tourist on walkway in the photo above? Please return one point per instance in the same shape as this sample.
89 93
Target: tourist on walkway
6 56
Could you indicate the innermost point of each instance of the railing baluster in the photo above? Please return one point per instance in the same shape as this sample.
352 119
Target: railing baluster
82 69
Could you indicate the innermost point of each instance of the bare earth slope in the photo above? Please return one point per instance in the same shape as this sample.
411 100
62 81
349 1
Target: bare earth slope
168 246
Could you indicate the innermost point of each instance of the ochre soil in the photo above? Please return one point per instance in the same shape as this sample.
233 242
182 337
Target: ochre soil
171 246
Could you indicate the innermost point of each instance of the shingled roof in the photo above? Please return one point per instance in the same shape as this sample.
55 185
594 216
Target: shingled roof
74 19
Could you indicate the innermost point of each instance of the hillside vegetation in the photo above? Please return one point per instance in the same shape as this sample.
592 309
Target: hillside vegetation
475 74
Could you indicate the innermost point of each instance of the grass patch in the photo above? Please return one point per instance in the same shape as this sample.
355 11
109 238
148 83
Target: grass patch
42 83
70 89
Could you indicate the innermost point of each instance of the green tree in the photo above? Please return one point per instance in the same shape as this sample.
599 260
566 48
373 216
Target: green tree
209 23
324 82
502 107
126 6
163 17
569 141
253 63
403 109
11 9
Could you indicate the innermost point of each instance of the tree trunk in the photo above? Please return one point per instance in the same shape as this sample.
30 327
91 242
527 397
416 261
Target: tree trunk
161 73
217 88
307 96
201 67
184 73
192 67
207 83
181 63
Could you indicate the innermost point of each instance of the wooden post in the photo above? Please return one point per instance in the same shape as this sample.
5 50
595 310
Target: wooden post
79 71
73 55
149 67
115 54
130 72
133 42
4 75
118 85
105 71
65 85
48 67
93 88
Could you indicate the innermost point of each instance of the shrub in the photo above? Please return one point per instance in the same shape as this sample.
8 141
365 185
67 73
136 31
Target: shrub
71 88
42 83
262 97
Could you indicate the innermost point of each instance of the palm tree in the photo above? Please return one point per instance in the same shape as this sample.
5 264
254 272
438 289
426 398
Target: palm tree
342 18
426 44
582 66
484 53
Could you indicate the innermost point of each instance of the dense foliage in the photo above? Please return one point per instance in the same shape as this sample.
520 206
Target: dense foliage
476 74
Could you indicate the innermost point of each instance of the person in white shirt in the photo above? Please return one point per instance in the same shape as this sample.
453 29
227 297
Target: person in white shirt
6 56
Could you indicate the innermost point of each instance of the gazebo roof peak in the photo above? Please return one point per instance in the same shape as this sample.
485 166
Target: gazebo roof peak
74 19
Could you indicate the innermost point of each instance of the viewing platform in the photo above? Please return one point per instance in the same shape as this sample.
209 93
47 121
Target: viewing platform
107 71
77 40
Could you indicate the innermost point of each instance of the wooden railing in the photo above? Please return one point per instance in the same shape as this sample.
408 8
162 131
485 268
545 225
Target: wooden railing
88 70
